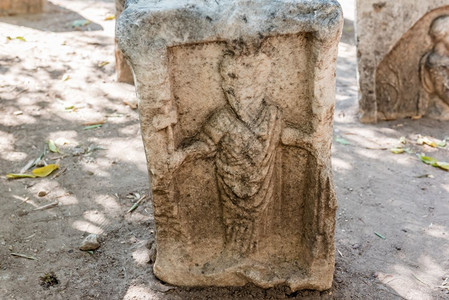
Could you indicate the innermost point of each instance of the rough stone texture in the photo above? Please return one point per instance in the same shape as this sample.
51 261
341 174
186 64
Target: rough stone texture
392 37
434 71
15 7
236 105
124 73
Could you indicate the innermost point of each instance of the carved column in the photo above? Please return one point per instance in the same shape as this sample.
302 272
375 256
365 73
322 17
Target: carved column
15 7
236 106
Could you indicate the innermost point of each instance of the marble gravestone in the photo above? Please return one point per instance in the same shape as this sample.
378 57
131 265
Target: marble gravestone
236 107
15 7
401 47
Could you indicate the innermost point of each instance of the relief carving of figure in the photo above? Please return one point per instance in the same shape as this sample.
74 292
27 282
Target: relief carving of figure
434 71
243 137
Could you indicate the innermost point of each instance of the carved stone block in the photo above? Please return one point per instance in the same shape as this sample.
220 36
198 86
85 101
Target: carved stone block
236 106
397 54
15 7
122 68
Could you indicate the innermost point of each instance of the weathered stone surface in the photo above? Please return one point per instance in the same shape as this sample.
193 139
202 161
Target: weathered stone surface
236 104
434 71
392 37
122 68
14 7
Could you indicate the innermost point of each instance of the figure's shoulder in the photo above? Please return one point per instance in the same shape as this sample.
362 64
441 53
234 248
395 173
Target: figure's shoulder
434 59
222 112
219 117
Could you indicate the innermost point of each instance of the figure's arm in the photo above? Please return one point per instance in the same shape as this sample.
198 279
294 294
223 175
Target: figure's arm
199 147
294 137
426 79
202 145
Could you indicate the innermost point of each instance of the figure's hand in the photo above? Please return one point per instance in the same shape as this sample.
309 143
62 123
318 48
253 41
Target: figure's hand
163 121
176 159
296 138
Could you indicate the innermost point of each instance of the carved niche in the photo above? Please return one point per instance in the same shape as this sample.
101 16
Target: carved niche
246 191
411 78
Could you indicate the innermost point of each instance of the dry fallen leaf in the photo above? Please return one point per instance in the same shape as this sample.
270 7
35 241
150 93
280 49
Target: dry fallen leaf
426 141
20 38
131 104
45 171
443 165
80 23
39 172
442 144
52 146
90 123
16 176
342 141
397 150
92 127
103 63
433 162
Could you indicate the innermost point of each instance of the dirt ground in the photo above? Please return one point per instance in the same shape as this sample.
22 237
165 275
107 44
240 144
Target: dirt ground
393 218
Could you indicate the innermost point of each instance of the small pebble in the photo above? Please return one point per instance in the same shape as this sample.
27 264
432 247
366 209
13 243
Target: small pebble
338 280
356 246
90 243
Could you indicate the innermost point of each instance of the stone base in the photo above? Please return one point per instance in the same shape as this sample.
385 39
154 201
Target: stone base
15 7
224 270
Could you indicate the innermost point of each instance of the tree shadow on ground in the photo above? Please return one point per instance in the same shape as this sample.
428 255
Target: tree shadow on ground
392 218
394 195
55 18
377 192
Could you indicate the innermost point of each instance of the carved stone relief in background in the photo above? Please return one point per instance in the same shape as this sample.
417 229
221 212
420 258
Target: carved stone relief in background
399 88
122 68
15 7
435 71
392 37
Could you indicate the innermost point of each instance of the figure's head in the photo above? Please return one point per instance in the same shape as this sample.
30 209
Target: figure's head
245 78
439 30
